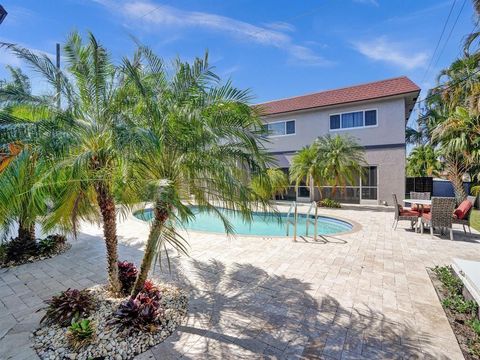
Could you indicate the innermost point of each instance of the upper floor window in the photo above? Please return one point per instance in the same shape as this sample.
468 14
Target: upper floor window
356 119
281 128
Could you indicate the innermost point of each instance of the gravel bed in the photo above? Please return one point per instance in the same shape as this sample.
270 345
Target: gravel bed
50 341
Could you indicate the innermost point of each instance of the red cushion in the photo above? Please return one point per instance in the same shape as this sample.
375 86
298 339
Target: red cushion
427 208
463 209
427 216
409 213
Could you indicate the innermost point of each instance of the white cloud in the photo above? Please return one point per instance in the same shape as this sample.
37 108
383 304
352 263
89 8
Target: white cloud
394 53
369 2
151 16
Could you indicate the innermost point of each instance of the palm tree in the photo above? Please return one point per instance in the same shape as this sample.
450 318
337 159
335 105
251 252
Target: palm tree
21 202
198 142
88 148
306 167
329 161
424 160
459 137
342 160
274 183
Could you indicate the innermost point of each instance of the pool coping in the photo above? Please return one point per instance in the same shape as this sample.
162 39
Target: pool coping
356 227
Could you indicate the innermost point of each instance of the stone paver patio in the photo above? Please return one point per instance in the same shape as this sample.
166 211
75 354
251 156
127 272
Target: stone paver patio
363 295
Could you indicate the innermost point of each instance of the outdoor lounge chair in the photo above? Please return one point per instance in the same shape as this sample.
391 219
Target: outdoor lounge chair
404 214
440 216
461 216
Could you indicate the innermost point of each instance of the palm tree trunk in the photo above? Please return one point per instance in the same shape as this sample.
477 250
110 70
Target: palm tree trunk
107 208
26 234
160 217
455 171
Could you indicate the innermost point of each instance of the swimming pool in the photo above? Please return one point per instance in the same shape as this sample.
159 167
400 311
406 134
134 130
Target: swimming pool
265 224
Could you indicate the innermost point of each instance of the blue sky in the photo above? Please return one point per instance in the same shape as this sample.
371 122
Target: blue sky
276 48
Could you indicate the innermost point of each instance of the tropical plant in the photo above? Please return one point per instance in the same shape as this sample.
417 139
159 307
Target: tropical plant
68 306
329 203
143 312
306 167
424 160
275 182
80 333
21 201
88 132
198 140
127 273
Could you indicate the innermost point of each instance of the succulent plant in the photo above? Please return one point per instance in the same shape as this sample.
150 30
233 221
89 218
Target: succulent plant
70 305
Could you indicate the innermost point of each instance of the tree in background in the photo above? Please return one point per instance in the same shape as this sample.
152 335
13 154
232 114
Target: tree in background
424 160
274 183
330 161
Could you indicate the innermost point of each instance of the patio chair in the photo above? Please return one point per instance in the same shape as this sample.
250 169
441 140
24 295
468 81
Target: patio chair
420 196
403 214
462 213
440 216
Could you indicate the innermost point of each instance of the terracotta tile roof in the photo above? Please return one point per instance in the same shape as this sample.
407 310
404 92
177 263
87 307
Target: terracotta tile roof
369 91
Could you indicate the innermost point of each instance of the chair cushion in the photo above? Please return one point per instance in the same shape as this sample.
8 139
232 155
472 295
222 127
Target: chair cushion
462 209
409 213
427 216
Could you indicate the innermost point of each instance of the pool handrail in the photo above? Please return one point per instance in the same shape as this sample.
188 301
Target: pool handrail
293 206
313 205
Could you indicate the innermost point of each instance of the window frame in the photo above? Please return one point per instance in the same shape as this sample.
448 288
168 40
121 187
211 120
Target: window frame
285 127
354 127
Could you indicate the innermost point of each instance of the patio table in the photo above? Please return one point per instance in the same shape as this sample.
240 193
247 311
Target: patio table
420 203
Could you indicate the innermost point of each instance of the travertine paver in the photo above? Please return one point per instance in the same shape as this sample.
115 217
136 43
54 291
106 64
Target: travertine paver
364 295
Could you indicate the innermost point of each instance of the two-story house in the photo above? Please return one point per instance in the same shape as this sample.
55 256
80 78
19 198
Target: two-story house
374 113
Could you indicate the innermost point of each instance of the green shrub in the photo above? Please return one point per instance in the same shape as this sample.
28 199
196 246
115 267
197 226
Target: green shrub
18 250
51 243
329 203
457 303
475 325
451 282
68 306
80 333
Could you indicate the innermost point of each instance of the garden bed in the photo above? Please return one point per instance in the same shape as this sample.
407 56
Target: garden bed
49 247
461 313
109 338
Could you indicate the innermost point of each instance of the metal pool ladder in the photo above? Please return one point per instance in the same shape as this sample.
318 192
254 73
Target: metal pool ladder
293 207
313 205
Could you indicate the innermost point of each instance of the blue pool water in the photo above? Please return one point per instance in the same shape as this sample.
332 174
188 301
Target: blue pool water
265 224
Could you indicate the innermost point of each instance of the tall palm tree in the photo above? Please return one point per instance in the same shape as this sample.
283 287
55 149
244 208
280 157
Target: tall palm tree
88 149
459 137
199 141
342 160
424 160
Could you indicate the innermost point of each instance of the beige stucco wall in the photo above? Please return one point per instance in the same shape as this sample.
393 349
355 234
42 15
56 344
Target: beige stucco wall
391 172
309 125
389 134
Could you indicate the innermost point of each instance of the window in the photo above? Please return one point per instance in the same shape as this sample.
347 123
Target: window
281 128
356 119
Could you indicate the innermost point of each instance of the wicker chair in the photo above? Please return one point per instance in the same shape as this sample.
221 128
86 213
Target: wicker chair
420 196
466 219
441 215
401 214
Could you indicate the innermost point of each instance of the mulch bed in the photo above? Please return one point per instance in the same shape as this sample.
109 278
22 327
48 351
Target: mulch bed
60 249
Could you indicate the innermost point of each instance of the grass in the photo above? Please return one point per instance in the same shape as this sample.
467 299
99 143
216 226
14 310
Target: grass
475 220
